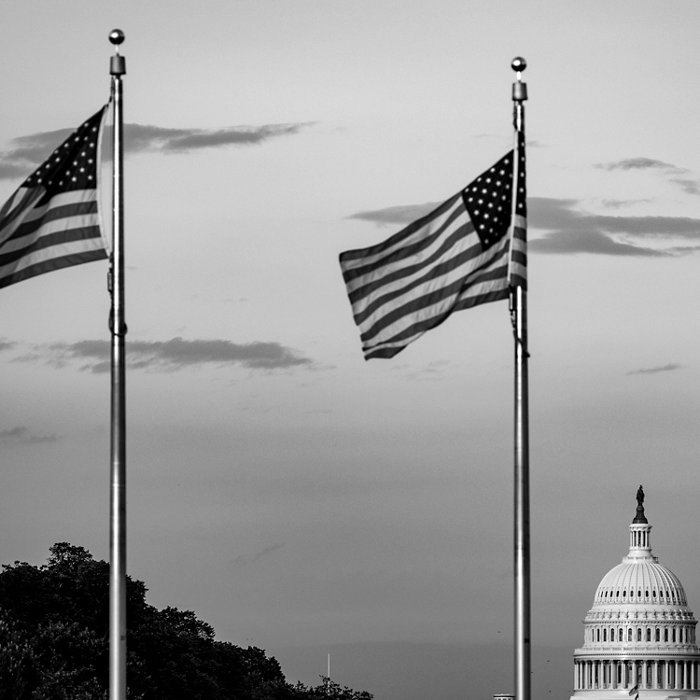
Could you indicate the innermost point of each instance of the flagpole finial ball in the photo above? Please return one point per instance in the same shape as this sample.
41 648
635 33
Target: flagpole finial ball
518 64
116 36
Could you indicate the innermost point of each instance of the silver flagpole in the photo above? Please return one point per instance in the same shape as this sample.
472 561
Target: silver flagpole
522 459
117 522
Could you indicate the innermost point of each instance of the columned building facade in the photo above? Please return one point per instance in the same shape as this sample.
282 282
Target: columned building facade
639 636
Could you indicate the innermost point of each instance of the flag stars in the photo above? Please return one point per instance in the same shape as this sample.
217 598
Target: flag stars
72 165
488 201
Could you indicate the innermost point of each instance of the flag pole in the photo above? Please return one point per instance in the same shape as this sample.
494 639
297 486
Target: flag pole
117 523
518 303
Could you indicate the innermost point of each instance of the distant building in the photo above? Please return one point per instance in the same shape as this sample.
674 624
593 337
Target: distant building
639 636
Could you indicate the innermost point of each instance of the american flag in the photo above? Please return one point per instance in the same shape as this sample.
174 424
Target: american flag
52 220
458 256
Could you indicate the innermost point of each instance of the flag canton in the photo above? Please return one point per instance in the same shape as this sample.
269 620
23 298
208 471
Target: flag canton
73 165
488 200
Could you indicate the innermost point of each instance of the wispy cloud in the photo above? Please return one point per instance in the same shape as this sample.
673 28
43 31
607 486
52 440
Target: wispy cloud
688 185
21 435
671 367
141 137
621 203
639 163
431 372
675 175
572 230
14 169
397 215
174 354
247 560
6 345
26 152
569 230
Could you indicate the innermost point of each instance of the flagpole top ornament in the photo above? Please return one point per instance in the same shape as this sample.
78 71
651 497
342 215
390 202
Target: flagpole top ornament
116 37
519 64
117 65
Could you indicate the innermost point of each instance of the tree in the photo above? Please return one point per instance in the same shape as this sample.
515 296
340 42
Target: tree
54 630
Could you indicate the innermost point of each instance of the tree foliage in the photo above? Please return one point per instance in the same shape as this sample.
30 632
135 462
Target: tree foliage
54 631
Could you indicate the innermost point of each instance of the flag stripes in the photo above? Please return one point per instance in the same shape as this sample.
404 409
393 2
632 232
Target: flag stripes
52 221
455 257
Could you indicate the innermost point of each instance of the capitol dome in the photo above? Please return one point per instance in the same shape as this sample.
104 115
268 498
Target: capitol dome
639 636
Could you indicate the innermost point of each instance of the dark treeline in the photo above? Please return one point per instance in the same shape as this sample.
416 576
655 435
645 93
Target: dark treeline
54 626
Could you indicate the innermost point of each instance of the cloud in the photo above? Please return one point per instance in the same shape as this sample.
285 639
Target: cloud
636 164
243 560
178 353
569 230
401 214
140 137
671 367
14 170
20 435
595 242
6 344
687 185
26 152
676 176
620 203
431 372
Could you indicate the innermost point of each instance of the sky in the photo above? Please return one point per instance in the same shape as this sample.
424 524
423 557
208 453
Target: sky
293 495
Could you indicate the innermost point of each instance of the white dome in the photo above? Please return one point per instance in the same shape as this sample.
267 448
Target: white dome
639 636
644 582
